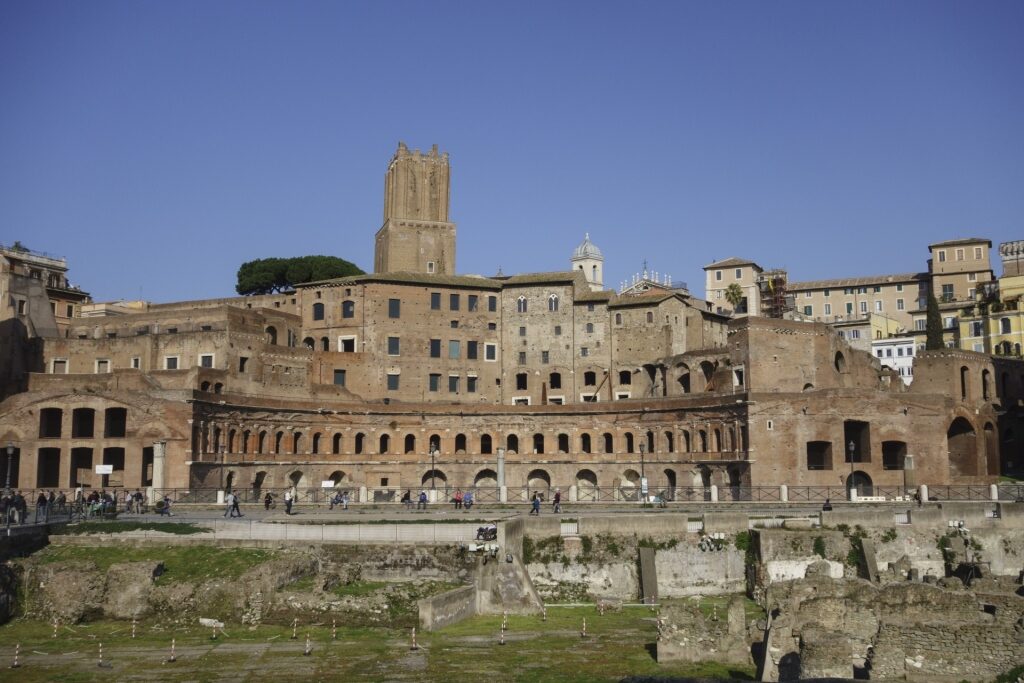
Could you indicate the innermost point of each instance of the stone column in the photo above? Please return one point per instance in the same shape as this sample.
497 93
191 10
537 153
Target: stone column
993 490
573 495
714 493
784 493
363 495
501 467
923 490
159 465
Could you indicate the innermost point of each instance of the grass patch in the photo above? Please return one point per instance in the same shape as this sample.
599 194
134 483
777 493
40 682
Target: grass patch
179 528
185 563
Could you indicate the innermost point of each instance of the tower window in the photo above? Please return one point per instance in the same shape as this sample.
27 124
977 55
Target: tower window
521 305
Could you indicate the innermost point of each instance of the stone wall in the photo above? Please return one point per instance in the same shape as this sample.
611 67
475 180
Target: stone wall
448 608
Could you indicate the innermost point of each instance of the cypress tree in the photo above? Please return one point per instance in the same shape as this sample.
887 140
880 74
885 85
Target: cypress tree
933 326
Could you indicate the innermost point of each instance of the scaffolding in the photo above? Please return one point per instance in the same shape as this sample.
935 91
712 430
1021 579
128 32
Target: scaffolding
772 285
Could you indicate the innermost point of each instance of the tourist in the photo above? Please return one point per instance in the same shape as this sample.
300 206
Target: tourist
61 501
535 505
457 499
407 499
556 502
344 500
268 501
334 500
21 507
41 507
422 502
235 502
166 509
287 501
827 507
229 503
467 501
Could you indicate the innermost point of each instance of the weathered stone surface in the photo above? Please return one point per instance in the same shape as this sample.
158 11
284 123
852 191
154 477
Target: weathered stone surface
128 588
685 634
67 591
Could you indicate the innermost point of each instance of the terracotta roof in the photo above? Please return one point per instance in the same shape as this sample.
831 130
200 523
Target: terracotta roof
646 299
473 281
961 242
731 262
590 296
539 278
838 283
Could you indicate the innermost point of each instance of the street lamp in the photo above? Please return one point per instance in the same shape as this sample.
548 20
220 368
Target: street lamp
433 454
10 458
643 479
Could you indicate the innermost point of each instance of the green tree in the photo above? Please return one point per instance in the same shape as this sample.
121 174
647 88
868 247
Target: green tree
269 275
933 325
734 295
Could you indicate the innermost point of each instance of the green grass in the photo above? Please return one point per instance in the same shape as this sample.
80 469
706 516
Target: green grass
180 528
619 644
358 588
181 563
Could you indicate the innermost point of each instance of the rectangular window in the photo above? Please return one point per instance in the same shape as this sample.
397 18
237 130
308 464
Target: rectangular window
492 303
849 308
347 344
471 384
71 311
862 290
920 325
471 350
947 292
977 252
718 275
394 308
949 322
522 357
59 366
393 346
854 334
454 324
888 353
339 378
899 288
590 308
435 301
454 349
393 382
471 303
206 360
739 273
863 306
590 328
545 357
431 267
959 254
900 305
828 309
522 331
828 293
972 277
808 310
878 307
435 348
492 326
136 363
490 352
453 302
435 382
970 293
808 294
102 366
453 384
899 351
878 289
584 352
170 362
942 255
558 330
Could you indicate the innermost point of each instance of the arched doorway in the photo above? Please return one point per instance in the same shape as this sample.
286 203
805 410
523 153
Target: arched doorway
538 480
859 481
586 485
670 485
629 486
486 479
962 445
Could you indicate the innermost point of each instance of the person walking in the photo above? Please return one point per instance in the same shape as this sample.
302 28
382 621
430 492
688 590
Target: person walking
41 507
236 500
229 504
287 501
268 500
536 504
556 502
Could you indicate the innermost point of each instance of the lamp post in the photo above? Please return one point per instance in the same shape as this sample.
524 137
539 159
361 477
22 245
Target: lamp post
643 479
433 454
10 458
852 447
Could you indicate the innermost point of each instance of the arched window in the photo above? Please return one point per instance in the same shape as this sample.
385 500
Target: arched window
348 309
563 443
434 443
261 442
277 442
963 383
316 443
460 443
625 377
553 303
296 441
325 344
410 443
521 305
629 442
650 317
272 335
512 443
245 441
318 311
986 377
670 443
686 441
360 437
309 343
840 362
555 380
385 443
1004 326
336 444
585 443
589 378
486 444
538 443
609 443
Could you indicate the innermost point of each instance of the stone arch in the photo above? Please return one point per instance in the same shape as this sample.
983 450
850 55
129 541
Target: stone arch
586 485
839 362
271 333
309 343
962 445
861 482
512 444
707 370
339 477
433 478
486 444
460 443
336 444
563 443
385 444
259 479
486 478
609 443
538 479
585 443
204 386
682 373
297 479
808 387
410 443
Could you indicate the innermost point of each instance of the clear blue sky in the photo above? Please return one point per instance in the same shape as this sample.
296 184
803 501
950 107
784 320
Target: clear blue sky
158 145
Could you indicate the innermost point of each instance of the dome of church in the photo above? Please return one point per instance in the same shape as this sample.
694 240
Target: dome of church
587 250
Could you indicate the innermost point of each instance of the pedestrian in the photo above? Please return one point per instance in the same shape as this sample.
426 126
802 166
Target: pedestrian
467 500
268 500
235 502
407 499
344 500
422 502
556 502
536 504
229 503
166 509
287 501
457 499
61 502
827 507
41 507
21 506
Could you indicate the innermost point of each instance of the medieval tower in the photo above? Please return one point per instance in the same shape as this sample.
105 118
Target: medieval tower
416 236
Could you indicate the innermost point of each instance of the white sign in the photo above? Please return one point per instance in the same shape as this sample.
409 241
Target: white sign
327 484
643 486
104 469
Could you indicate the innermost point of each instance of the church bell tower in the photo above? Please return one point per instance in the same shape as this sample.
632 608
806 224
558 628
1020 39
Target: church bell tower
416 236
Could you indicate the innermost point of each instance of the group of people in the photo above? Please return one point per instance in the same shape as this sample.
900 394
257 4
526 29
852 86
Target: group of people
556 502
231 502
463 501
